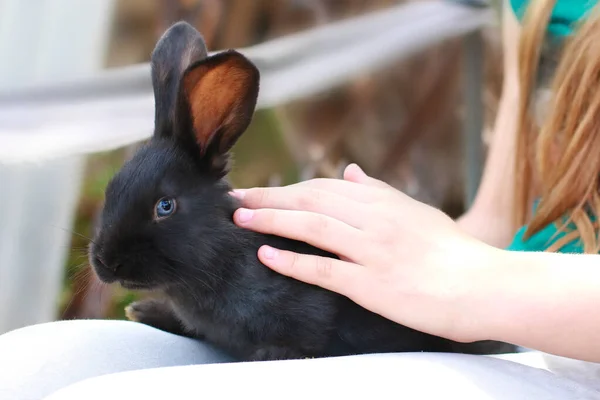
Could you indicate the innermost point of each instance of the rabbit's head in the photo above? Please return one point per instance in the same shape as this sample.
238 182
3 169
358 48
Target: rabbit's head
167 210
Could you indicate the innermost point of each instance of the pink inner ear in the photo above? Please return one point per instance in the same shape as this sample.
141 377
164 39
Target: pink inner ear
216 92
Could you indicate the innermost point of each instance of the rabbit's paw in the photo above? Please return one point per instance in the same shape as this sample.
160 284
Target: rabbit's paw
156 313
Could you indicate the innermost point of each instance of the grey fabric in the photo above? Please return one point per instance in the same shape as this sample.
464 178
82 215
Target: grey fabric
123 360
37 360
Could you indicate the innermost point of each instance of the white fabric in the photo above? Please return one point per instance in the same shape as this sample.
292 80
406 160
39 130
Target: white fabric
399 376
125 360
587 373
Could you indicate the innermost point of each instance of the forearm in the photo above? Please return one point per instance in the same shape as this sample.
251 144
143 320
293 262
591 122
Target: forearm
488 226
544 301
489 219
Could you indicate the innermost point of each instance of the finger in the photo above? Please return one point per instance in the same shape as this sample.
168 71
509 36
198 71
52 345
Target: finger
328 273
355 191
318 230
354 173
308 199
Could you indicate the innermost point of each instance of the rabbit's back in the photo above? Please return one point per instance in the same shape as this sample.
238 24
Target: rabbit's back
256 309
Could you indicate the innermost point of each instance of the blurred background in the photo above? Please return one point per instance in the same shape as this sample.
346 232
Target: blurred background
416 112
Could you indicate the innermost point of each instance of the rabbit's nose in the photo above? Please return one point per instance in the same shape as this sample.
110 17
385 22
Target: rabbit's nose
112 267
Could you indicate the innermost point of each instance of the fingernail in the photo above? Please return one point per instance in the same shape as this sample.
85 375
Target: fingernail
356 167
245 215
238 193
269 252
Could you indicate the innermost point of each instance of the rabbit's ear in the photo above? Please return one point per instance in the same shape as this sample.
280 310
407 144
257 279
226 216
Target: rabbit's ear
179 47
221 93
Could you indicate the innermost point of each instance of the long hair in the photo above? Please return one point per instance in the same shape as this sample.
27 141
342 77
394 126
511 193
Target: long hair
558 159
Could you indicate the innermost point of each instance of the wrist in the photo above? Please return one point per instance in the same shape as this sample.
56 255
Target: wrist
480 272
488 297
537 300
516 294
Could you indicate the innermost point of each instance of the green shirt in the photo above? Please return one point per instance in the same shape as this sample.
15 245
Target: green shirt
565 16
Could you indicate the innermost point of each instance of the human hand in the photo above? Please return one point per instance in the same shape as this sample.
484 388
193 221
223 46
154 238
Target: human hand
400 258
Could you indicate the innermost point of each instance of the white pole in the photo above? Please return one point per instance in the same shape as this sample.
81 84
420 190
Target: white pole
42 41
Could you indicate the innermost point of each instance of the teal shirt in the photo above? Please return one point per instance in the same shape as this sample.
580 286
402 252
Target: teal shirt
565 16
542 239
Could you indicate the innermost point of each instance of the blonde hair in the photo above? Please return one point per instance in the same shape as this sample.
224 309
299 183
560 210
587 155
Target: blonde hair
558 160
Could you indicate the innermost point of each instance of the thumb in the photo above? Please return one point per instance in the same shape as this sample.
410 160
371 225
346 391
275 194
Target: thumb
354 173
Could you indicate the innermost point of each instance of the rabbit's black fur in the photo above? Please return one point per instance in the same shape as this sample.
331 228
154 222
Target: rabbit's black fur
205 267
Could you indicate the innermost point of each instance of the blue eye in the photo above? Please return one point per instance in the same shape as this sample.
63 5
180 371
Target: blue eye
165 207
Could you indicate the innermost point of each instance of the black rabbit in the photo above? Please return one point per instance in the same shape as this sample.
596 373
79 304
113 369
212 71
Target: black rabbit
167 226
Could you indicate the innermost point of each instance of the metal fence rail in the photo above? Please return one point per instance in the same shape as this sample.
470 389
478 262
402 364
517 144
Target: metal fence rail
115 108
51 126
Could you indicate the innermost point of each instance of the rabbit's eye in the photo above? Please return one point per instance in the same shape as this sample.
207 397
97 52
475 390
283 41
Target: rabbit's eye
165 207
